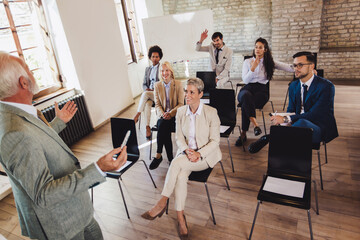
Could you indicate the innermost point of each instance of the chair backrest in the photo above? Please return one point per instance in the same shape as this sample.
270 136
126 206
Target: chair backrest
224 102
119 127
208 78
290 151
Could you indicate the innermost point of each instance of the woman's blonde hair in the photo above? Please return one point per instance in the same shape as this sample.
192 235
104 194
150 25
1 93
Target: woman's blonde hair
168 65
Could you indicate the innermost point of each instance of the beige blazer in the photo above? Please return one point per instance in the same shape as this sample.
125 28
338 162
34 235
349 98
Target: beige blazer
207 133
222 68
176 97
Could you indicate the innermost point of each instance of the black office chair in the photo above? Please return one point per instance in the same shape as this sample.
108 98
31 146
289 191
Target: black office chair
224 102
202 176
119 127
290 158
209 81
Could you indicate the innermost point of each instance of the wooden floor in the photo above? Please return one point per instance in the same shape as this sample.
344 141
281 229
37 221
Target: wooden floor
339 202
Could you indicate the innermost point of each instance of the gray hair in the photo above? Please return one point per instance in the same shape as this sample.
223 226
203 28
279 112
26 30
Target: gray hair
10 72
197 82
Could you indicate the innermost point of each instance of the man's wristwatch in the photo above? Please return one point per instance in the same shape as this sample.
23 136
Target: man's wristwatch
286 120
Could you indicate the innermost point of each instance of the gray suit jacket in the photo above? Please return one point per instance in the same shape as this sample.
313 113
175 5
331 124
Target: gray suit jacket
50 189
207 133
146 82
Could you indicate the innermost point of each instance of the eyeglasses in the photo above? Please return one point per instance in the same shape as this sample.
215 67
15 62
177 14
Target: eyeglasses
300 65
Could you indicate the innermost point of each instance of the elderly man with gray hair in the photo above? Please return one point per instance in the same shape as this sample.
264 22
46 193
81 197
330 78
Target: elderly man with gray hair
50 188
197 137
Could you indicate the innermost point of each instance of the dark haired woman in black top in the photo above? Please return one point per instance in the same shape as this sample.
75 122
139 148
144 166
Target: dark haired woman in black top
256 73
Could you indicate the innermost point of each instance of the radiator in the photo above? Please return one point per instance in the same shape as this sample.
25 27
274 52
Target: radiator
79 125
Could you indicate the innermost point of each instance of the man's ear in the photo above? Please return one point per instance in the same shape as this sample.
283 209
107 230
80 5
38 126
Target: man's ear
23 82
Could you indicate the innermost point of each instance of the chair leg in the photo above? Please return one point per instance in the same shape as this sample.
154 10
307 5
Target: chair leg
286 96
122 194
253 225
208 195
167 206
310 227
232 163
139 121
92 196
321 180
147 169
262 111
232 87
272 106
240 138
150 145
222 167
326 161
236 90
316 198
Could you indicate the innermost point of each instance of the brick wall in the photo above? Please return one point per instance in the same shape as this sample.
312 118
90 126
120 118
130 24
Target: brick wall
289 26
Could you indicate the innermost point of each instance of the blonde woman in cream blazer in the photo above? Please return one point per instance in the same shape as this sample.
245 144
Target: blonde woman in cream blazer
169 96
197 137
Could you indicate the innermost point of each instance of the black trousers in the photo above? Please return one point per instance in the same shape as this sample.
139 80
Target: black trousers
252 96
165 127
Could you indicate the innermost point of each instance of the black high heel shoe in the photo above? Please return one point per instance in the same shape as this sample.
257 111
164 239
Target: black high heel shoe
257 131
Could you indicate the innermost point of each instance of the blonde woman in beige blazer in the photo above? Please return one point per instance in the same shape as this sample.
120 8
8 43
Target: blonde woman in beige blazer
169 96
197 137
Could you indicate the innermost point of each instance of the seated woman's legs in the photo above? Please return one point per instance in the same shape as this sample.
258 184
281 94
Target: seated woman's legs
176 181
165 127
145 104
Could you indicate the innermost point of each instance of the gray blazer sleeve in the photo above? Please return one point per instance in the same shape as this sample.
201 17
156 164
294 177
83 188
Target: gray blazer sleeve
145 81
28 164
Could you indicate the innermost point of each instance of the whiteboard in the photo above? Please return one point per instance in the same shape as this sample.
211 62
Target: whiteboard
177 34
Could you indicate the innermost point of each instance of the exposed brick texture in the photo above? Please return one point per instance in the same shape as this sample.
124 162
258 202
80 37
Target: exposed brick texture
288 25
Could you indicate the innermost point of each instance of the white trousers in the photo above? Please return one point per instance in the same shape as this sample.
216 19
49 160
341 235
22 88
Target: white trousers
221 83
177 178
146 101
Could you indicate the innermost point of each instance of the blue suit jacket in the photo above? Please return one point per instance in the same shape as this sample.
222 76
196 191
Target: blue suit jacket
318 107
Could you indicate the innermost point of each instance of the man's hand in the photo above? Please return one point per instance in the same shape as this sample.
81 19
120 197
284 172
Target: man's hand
203 36
192 155
67 112
216 80
277 120
107 164
254 63
166 116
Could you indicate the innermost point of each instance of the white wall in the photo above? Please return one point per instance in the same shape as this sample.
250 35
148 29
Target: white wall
94 39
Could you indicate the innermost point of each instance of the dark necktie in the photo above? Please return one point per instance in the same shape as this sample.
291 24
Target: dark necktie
304 93
217 55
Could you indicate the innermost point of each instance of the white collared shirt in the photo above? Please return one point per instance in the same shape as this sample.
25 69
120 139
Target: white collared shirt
259 75
192 128
25 107
307 83
153 75
167 94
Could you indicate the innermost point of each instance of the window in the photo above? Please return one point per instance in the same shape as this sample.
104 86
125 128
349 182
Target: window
23 33
128 27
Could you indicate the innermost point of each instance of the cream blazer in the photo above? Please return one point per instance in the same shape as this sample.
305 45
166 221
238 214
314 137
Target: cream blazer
176 97
207 133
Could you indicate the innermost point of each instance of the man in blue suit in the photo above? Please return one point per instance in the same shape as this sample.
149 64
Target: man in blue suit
311 99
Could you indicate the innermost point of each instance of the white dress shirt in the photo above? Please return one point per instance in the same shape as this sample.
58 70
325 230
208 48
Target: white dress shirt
259 75
192 128
307 83
167 93
153 75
